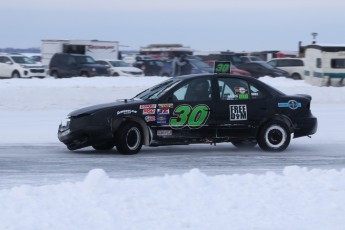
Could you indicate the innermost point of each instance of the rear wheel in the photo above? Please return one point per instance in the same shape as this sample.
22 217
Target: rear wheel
129 139
296 76
274 137
115 74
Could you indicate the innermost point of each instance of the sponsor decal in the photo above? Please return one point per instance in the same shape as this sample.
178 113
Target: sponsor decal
162 111
166 106
150 118
292 104
185 115
127 111
100 47
244 96
149 111
149 106
164 132
162 119
238 112
255 94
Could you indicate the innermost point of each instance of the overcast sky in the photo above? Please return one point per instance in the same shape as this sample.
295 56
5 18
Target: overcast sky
237 25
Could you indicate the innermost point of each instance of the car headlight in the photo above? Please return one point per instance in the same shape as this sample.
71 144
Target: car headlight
65 123
24 66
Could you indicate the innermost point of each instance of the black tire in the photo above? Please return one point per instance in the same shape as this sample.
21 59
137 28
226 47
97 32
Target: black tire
104 146
246 144
115 74
16 74
296 76
54 74
84 74
129 139
274 137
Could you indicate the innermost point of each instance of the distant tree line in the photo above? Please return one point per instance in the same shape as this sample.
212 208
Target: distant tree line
16 50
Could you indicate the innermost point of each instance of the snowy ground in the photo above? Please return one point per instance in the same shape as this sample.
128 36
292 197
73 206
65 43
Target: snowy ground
296 198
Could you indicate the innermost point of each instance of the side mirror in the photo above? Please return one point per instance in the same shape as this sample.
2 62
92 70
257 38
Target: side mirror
9 63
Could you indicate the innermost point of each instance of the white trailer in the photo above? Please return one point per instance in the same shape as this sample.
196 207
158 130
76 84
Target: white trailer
325 64
94 48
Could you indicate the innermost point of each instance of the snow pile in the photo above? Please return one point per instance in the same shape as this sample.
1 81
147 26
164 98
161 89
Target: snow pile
298 199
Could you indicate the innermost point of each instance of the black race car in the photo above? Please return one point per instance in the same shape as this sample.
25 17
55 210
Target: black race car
207 108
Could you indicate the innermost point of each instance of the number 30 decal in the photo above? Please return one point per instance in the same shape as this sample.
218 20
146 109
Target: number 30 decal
188 116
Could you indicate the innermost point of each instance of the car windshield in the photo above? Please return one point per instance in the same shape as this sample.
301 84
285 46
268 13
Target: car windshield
253 58
157 90
84 60
23 60
199 64
119 64
264 64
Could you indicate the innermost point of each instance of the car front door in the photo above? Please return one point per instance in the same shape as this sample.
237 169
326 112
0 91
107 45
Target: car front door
188 113
240 108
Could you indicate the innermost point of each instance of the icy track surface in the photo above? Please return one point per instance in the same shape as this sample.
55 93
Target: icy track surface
294 198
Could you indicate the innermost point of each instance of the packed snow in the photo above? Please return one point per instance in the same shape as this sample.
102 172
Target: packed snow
296 198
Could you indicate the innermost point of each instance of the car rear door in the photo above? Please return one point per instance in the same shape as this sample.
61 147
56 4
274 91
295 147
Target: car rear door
241 108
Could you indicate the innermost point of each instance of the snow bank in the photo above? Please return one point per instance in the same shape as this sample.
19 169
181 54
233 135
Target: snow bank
297 199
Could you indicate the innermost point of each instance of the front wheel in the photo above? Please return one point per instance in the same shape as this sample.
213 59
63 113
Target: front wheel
15 74
129 139
104 146
274 137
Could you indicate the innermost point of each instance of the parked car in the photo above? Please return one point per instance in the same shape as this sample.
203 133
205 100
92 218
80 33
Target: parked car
223 56
204 108
151 67
34 56
19 66
120 68
69 65
260 69
197 67
246 59
294 66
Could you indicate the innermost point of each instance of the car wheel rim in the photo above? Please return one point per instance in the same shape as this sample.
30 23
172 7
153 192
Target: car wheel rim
275 136
133 138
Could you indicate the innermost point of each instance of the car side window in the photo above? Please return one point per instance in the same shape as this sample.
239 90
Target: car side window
194 90
256 93
233 89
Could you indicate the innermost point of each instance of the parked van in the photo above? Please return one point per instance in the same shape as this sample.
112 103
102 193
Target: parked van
294 66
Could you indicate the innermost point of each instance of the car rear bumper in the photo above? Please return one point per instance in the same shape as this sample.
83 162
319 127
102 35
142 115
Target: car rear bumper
305 127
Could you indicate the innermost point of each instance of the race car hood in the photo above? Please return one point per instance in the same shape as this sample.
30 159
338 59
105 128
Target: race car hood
96 108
